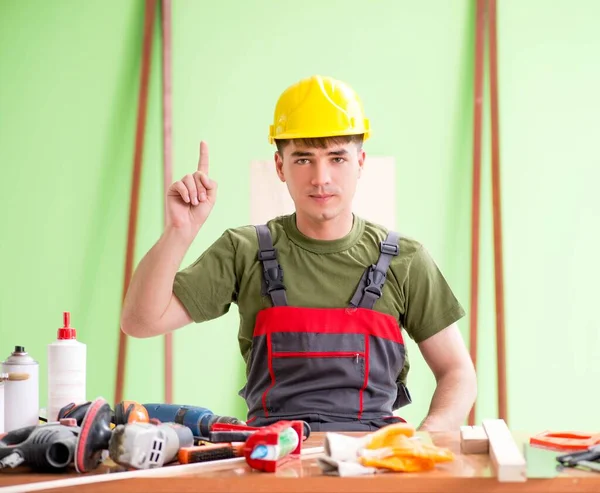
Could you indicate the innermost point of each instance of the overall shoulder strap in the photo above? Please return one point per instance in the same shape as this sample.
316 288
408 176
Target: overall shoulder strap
272 271
373 279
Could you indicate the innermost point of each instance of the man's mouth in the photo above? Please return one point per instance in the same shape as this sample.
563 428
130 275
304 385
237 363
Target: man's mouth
321 197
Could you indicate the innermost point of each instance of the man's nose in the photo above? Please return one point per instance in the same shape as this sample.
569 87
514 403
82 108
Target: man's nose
321 174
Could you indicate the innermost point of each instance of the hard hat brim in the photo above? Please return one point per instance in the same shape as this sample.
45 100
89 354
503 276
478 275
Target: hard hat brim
316 135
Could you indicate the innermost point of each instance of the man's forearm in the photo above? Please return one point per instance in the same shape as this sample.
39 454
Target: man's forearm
151 286
452 400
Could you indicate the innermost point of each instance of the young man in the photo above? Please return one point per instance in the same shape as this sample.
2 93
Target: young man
324 342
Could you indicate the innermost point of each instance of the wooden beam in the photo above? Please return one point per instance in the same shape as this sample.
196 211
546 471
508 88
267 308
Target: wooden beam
476 184
150 7
167 163
509 462
497 216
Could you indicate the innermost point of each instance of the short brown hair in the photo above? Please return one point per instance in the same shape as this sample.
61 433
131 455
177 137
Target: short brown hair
322 142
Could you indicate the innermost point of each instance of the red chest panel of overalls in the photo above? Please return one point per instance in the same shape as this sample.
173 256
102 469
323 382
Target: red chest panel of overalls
336 361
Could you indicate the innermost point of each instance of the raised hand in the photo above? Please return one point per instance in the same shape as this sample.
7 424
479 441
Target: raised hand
190 200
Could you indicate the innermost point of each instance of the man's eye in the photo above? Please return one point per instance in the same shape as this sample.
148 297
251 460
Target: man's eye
338 159
302 161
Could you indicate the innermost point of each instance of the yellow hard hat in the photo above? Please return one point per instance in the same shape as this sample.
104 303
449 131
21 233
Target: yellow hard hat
318 107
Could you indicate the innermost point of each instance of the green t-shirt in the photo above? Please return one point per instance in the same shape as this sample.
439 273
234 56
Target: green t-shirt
317 274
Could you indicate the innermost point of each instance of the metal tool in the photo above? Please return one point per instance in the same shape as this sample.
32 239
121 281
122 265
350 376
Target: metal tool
146 445
589 458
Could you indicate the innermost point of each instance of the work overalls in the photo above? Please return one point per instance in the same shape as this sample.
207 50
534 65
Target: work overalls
335 368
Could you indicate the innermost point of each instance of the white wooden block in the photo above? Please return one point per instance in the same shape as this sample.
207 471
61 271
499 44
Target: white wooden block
508 460
375 198
473 440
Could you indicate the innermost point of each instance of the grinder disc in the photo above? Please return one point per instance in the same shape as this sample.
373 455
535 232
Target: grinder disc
94 436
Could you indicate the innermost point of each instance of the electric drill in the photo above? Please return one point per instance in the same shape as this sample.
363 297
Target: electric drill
198 419
48 447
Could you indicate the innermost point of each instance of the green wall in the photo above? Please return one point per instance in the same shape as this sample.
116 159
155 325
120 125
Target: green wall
68 102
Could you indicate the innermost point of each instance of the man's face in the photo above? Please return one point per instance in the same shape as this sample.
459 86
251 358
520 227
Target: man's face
322 182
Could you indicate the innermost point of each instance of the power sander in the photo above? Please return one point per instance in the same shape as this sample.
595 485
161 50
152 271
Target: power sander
54 446
46 448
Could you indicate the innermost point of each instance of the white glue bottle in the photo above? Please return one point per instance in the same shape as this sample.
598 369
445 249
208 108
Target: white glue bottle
21 398
66 370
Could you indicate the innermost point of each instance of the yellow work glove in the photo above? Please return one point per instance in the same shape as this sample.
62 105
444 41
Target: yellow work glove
392 447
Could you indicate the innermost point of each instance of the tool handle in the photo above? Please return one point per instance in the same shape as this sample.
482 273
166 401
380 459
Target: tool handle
229 436
75 411
14 438
572 459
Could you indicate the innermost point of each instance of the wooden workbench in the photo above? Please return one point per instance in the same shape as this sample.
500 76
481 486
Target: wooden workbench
468 473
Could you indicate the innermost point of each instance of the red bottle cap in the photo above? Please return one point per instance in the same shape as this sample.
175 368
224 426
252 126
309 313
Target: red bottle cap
67 332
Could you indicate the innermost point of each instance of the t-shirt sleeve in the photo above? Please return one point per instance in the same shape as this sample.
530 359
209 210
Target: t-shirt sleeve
208 286
430 304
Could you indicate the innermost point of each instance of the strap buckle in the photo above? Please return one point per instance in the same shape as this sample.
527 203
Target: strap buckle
274 279
376 290
389 248
375 280
267 255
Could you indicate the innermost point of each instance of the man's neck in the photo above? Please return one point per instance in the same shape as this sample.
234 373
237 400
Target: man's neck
333 229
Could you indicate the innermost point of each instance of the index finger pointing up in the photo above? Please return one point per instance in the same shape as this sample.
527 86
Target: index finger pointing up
203 159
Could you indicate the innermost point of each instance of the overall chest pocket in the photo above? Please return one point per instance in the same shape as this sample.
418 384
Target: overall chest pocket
317 372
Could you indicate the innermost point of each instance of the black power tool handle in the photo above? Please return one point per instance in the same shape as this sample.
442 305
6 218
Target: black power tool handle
14 438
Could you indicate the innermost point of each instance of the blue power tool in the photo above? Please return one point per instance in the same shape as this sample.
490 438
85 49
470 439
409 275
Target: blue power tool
198 419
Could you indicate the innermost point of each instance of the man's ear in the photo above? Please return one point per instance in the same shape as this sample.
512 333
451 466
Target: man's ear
361 161
279 166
